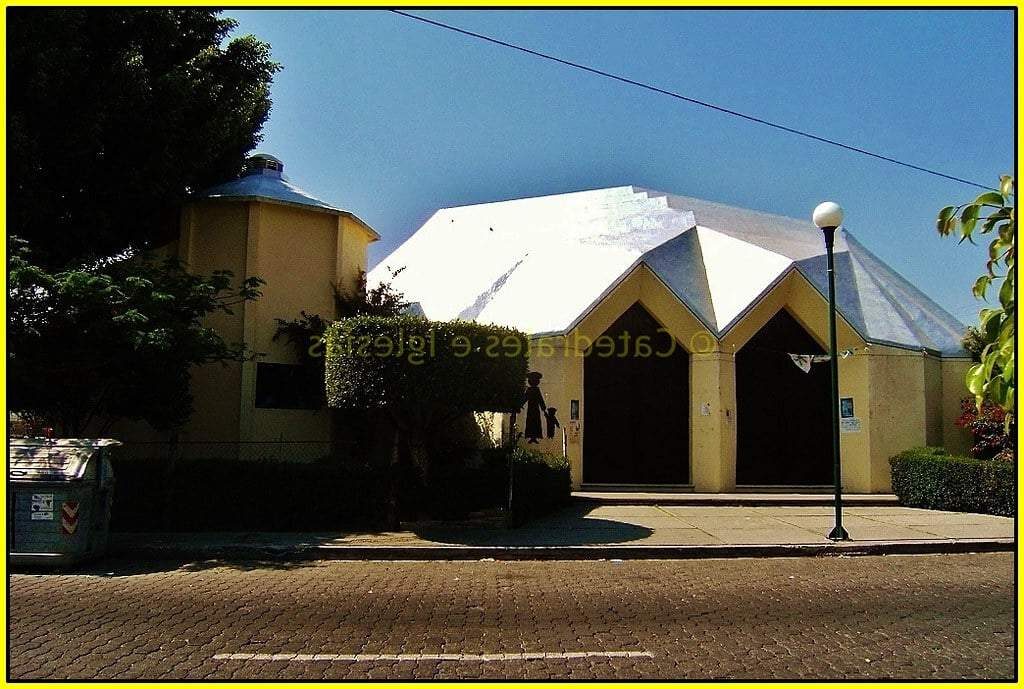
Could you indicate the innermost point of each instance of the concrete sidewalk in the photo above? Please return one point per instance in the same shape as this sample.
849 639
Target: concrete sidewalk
584 531
819 498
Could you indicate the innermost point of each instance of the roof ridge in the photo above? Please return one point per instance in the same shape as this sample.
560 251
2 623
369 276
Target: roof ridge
632 187
896 282
650 258
892 271
751 211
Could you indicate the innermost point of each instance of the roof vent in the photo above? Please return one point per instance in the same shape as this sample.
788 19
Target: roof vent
263 164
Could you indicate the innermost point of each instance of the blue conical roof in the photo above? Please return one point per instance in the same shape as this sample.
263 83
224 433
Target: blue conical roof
264 179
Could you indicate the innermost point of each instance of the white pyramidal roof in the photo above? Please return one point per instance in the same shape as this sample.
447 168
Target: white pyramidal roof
540 264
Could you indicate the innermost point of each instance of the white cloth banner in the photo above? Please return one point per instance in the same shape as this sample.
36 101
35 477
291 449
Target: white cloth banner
804 361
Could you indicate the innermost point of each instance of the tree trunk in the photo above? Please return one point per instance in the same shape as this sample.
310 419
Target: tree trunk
387 458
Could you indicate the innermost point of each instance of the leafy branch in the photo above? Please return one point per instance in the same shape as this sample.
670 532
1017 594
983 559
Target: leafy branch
993 214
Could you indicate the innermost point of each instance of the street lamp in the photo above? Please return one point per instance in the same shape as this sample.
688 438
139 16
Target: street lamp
829 216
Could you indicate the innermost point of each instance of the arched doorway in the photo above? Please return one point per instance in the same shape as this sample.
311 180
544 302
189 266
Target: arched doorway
636 425
783 415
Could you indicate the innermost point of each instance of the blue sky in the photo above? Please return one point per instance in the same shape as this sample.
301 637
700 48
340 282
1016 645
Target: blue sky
392 119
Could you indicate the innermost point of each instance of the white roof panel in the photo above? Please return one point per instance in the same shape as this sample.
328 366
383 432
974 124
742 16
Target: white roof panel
737 272
539 264
535 264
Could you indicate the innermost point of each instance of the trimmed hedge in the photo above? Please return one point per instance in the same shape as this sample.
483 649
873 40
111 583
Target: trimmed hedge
412 364
240 495
540 484
929 477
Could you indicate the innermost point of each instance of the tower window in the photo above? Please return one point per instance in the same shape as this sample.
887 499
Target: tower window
288 386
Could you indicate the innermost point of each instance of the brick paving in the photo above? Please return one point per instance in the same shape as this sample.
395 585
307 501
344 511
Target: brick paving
923 617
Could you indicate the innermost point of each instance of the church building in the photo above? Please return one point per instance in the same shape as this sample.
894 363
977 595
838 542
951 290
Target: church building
682 344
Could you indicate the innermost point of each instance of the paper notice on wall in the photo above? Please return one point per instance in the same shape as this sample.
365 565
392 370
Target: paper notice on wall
572 431
42 506
850 424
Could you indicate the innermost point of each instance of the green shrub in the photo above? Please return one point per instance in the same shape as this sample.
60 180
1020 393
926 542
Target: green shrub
419 377
929 477
456 490
540 484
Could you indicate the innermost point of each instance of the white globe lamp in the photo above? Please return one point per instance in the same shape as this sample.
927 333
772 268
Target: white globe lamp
828 214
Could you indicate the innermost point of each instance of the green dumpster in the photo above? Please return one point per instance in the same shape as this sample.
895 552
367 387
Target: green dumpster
59 494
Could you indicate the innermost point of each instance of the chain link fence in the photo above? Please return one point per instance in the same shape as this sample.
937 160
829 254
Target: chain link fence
298 451
245 486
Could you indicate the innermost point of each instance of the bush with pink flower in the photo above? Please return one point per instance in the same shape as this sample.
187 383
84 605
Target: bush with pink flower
992 438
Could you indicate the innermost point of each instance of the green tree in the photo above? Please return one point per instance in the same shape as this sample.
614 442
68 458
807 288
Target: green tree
994 214
973 343
306 333
115 114
380 300
112 340
415 377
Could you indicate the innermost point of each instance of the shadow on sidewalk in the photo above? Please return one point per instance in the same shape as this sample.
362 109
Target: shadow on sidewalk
557 530
149 553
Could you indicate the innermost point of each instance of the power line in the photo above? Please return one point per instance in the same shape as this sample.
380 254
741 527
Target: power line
694 101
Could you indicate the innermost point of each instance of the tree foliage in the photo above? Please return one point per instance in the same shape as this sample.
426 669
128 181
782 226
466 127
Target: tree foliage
973 343
113 339
381 300
424 373
993 214
305 334
115 114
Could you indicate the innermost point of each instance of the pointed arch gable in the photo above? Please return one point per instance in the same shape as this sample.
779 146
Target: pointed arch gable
794 293
642 286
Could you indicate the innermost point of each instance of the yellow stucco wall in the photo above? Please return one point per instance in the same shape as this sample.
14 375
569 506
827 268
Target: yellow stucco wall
300 253
297 259
901 398
713 436
556 364
933 407
898 409
293 249
353 239
954 389
203 250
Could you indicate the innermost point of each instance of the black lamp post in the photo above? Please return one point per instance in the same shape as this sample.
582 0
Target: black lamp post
829 216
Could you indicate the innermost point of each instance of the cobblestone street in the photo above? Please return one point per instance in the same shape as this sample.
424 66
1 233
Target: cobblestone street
926 617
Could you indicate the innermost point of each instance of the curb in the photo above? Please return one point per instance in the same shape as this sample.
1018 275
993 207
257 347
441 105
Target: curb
683 500
570 552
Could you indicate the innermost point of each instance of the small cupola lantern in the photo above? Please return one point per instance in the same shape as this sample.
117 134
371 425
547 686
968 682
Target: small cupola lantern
263 164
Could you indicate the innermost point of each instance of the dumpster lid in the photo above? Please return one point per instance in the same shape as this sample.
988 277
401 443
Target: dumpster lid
45 459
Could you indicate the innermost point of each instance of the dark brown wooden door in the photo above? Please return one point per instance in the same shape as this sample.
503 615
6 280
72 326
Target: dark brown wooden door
636 426
783 415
